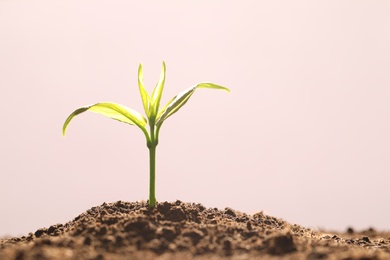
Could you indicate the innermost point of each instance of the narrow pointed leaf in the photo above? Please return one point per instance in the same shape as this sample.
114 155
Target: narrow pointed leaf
157 93
165 107
181 99
174 105
212 86
111 110
144 94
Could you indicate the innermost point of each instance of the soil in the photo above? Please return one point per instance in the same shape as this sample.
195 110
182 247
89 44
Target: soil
130 230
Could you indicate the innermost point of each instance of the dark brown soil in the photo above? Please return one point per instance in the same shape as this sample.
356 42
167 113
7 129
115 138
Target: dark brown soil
124 230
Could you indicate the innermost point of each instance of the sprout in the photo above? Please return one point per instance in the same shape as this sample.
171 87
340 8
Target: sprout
155 117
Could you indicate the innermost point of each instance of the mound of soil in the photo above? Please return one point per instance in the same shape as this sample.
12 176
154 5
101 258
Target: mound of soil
125 230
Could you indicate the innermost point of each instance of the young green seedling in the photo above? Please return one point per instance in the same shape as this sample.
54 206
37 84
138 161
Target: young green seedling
155 117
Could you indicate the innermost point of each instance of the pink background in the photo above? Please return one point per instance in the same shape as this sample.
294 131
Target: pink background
303 136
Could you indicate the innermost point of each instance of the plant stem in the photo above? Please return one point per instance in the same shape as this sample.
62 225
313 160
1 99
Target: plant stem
152 167
152 184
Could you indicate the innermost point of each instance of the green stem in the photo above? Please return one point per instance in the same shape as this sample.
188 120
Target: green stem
152 160
152 184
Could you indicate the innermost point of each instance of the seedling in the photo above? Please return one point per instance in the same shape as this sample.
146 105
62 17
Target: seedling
155 117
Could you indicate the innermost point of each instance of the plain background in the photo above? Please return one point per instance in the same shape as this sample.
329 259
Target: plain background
303 135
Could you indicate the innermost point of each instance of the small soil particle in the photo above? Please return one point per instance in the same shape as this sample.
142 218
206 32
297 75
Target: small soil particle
280 244
194 235
40 232
230 212
179 230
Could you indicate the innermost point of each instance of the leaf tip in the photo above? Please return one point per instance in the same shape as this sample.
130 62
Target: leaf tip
163 69
64 127
140 71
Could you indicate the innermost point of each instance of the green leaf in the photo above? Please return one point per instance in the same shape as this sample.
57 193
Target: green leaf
157 93
174 105
212 86
144 94
178 101
111 110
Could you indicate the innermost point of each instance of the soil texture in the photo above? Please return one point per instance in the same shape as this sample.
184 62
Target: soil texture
130 230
